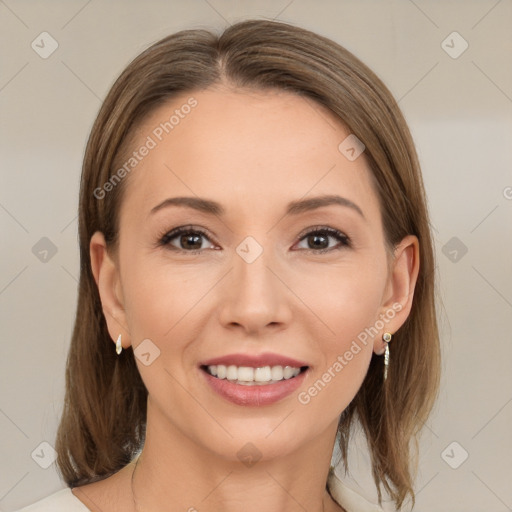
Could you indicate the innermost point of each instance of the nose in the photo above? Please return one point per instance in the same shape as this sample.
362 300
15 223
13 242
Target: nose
254 297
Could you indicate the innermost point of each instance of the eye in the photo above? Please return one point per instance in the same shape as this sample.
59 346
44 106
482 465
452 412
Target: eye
317 240
190 240
185 239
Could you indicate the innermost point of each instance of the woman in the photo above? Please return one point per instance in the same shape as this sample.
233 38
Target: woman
257 276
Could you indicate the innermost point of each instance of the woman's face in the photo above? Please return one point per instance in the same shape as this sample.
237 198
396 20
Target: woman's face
265 266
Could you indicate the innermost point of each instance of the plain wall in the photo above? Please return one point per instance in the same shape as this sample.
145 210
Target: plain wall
460 113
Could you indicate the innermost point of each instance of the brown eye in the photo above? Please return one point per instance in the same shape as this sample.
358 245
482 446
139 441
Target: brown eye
318 240
190 241
185 239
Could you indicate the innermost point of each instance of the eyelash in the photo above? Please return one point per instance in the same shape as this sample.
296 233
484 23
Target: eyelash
165 239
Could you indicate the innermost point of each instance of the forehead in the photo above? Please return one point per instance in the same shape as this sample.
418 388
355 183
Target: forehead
257 147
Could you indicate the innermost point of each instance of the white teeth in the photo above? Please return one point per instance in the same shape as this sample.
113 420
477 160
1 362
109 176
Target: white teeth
232 372
287 372
249 376
262 374
277 372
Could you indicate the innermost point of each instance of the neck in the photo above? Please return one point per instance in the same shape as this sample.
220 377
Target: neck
174 473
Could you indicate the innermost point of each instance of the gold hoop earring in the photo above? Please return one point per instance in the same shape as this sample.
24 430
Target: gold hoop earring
119 347
387 338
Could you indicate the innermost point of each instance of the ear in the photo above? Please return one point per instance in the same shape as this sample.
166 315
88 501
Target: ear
106 275
399 292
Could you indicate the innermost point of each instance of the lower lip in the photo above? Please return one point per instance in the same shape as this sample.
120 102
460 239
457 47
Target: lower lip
256 395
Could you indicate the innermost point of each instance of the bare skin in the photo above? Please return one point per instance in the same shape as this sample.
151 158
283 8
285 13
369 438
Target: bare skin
254 153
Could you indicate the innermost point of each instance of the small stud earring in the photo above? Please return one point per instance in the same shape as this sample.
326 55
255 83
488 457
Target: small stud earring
119 347
387 338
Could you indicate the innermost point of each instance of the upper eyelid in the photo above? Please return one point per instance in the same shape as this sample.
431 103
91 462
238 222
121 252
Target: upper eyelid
329 230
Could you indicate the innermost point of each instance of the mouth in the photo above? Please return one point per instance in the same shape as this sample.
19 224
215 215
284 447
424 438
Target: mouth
253 376
254 379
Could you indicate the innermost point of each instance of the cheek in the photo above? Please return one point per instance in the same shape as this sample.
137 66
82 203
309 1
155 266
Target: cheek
150 305
347 302
162 305
157 295
345 297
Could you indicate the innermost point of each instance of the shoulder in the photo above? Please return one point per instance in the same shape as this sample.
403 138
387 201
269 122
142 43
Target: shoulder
60 501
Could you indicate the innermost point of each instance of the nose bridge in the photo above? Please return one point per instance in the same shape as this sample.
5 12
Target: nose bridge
256 296
253 278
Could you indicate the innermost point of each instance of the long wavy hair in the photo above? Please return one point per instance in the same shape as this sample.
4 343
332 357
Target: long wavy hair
104 416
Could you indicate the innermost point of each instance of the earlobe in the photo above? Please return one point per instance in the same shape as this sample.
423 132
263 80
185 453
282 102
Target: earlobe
107 279
400 288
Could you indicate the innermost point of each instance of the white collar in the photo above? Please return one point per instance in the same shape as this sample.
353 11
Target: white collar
348 498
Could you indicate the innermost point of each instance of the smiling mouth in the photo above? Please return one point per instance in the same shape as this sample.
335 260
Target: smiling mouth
250 376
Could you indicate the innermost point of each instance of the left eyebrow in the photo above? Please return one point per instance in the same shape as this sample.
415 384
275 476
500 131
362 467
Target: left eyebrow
294 208
304 205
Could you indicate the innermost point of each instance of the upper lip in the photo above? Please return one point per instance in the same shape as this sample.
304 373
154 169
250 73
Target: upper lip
255 361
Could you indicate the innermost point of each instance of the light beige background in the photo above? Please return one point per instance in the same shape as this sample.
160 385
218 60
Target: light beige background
460 113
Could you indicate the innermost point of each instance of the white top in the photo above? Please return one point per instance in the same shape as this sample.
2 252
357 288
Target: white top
348 498
60 501
65 501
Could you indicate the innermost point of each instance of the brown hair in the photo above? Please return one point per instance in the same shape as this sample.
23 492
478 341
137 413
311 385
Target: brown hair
103 422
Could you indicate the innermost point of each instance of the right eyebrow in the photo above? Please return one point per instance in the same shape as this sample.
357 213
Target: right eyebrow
203 205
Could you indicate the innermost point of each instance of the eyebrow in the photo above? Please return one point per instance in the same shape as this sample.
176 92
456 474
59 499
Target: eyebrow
294 208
